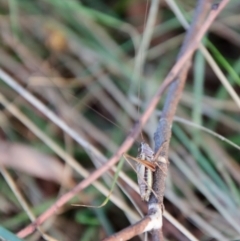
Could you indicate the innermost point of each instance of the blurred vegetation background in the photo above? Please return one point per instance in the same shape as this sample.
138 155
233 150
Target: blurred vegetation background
79 58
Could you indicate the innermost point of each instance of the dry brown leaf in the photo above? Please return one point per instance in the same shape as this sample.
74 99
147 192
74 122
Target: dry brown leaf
24 158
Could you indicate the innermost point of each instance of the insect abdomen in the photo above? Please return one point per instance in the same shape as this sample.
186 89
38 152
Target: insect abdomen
145 175
145 181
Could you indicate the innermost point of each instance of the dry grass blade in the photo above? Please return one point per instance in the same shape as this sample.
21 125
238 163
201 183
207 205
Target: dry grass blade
25 159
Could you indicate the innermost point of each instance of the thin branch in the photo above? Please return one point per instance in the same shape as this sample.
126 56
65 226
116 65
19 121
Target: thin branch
148 223
163 132
130 231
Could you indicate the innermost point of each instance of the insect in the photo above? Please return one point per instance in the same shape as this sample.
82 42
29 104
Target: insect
144 174
145 167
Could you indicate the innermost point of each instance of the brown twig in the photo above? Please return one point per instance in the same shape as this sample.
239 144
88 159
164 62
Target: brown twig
130 138
163 132
148 223
130 231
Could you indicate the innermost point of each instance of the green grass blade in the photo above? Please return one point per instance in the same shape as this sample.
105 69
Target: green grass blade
7 235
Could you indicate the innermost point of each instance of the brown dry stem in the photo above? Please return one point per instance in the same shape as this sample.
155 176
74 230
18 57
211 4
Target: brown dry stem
130 231
163 133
